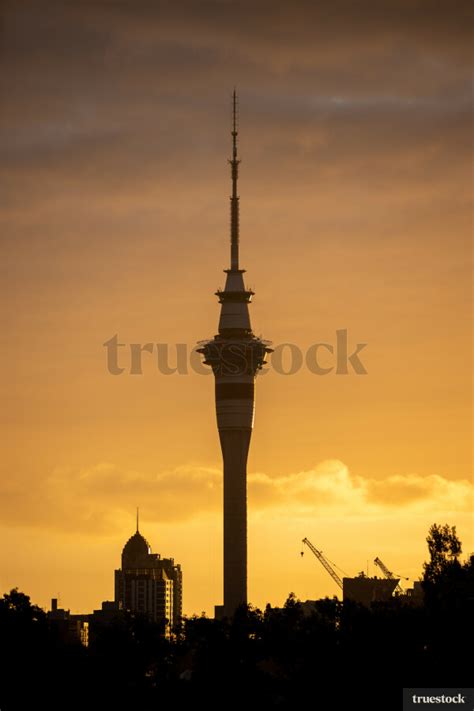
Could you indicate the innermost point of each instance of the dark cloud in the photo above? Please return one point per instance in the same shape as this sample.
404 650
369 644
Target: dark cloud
134 87
111 48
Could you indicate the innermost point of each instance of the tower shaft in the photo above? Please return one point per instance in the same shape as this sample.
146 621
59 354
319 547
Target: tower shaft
235 446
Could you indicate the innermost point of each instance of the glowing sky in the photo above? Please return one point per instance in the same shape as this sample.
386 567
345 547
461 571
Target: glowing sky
355 137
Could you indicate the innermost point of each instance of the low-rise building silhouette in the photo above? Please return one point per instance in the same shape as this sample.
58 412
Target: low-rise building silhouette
68 628
366 590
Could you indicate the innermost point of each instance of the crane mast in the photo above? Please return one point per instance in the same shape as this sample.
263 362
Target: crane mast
325 563
388 574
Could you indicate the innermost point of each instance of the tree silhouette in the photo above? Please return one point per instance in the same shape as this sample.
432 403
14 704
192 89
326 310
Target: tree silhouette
444 548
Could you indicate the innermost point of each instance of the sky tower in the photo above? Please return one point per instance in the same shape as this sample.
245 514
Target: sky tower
235 356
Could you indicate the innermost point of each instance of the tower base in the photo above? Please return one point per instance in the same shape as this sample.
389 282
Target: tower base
218 612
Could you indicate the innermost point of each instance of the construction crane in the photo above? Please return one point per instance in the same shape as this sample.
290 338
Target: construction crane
388 574
323 562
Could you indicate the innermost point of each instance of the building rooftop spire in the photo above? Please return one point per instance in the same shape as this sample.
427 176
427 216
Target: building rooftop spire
138 513
234 200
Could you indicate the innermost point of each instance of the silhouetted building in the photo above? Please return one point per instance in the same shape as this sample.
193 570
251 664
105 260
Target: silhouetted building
414 596
149 584
367 590
67 628
235 355
108 612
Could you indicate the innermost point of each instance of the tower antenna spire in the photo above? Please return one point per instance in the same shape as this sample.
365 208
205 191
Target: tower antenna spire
234 200
138 511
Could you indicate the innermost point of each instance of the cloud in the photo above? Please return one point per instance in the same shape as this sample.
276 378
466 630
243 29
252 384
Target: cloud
98 81
114 118
97 499
331 487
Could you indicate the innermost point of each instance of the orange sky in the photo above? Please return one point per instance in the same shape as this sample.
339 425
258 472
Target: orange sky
355 214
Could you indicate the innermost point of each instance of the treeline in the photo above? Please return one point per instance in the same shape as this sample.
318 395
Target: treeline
332 656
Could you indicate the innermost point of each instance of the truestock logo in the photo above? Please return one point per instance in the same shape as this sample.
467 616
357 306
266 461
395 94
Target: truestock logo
285 358
438 698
